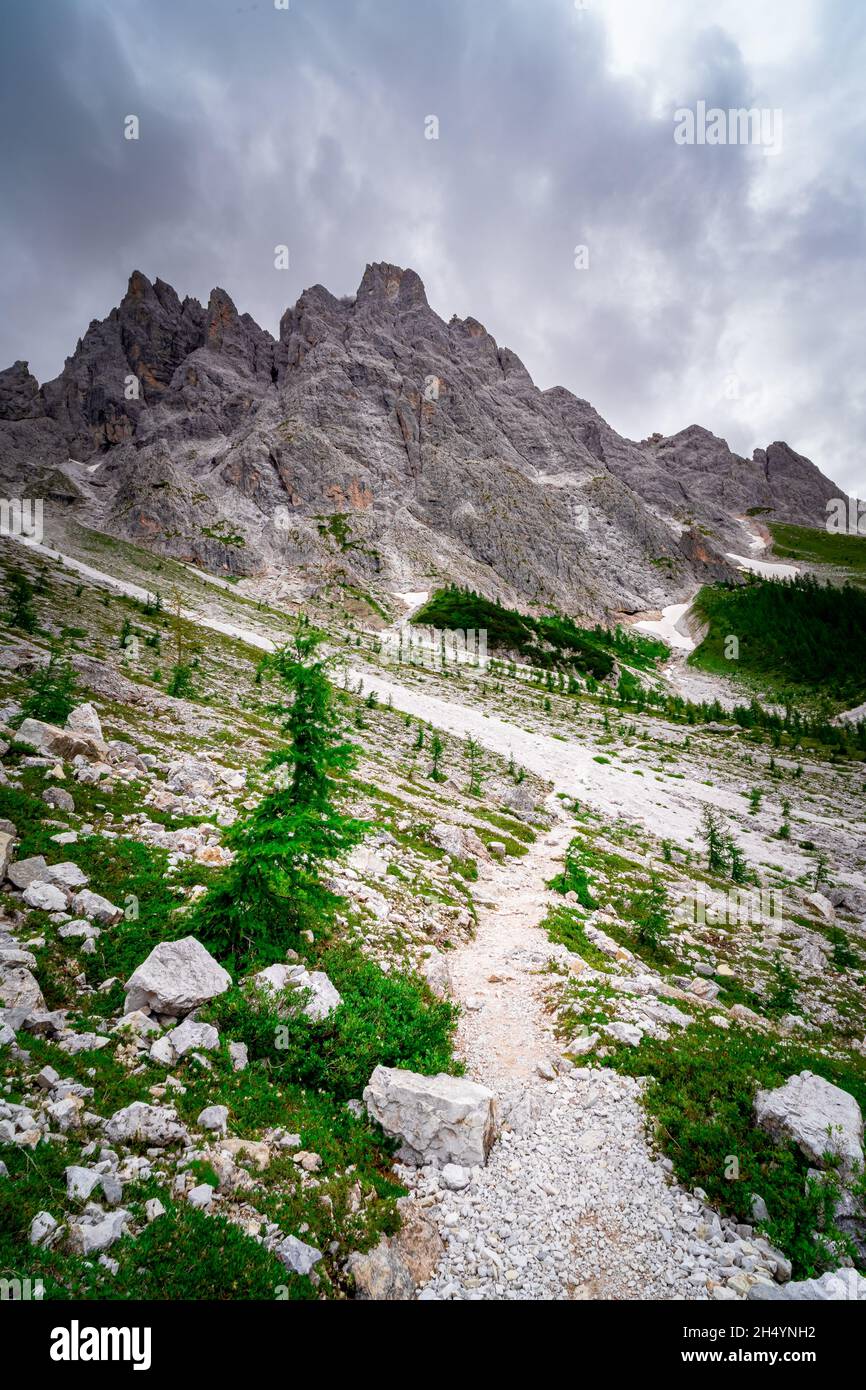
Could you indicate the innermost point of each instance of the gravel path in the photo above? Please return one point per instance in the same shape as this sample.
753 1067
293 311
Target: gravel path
571 1204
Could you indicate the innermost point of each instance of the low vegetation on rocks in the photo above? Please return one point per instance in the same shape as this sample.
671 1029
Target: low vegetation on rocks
322 977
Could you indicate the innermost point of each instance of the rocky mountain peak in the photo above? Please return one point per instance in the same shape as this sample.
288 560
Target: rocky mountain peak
431 439
19 393
382 283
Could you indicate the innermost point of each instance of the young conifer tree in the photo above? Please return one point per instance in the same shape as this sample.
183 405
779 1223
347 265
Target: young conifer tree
20 611
272 890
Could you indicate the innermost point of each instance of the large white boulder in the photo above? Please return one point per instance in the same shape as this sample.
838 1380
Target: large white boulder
176 978
820 1118
440 1119
45 896
61 743
458 841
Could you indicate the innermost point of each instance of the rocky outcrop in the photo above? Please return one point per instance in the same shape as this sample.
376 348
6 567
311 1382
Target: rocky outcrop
819 1117
219 446
176 978
61 743
319 995
156 1125
836 1286
439 1119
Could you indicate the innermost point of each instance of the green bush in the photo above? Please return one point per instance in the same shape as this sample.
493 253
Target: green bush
387 1020
701 1098
573 878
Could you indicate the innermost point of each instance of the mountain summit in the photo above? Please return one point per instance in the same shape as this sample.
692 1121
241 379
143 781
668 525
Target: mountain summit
375 444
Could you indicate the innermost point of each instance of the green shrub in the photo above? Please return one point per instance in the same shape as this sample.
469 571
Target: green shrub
19 599
701 1098
573 878
388 1020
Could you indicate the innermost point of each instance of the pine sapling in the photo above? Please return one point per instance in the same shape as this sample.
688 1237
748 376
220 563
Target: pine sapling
20 610
436 751
272 890
473 755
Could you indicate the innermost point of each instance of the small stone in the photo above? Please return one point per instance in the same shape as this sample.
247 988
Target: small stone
201 1196
42 1227
759 1209
214 1117
455 1177
297 1257
47 897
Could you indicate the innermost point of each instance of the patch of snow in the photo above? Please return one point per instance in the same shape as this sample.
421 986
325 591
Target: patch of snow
766 568
667 627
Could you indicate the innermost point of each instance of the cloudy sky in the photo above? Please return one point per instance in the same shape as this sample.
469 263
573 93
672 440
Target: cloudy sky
725 285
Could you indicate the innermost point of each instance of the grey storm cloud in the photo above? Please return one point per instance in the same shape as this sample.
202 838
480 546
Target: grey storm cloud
724 285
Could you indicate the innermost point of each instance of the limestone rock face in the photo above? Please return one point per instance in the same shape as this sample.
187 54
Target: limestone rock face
175 978
427 436
819 1117
440 1119
19 394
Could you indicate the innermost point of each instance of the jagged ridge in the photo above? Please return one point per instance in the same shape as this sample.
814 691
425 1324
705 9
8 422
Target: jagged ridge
219 445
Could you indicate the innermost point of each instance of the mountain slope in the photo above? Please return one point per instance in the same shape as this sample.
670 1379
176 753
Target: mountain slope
377 445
